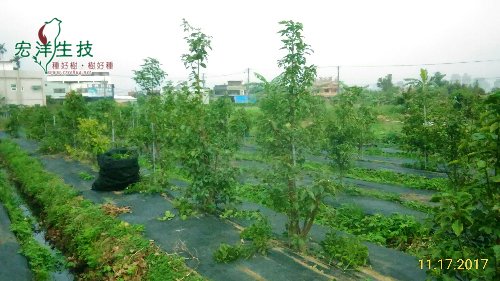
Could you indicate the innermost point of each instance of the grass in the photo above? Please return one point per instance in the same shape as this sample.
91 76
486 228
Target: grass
396 231
387 128
387 196
388 177
85 176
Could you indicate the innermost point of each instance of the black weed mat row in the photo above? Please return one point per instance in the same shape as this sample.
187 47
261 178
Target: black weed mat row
369 205
13 265
392 164
373 206
389 188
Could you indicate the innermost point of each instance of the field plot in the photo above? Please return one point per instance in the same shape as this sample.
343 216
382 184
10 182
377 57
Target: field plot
199 185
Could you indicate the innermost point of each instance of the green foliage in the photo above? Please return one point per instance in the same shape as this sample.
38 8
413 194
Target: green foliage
390 177
205 137
342 131
227 253
85 176
425 116
61 129
36 121
385 83
466 224
210 139
150 77
121 156
14 123
166 216
199 43
147 184
91 136
345 251
184 207
289 126
396 231
259 233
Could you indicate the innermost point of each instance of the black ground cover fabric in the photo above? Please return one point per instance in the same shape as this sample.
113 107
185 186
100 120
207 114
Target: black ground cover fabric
116 174
203 234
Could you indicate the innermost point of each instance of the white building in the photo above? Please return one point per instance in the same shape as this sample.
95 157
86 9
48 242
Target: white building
21 87
96 85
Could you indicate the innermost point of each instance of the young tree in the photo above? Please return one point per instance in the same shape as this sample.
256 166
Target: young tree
74 107
150 77
388 90
207 136
385 83
199 44
345 130
420 130
289 128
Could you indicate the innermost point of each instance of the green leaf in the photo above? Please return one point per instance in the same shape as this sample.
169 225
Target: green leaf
457 227
493 127
496 249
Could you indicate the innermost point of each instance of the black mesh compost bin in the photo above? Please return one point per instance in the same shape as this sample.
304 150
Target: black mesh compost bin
118 168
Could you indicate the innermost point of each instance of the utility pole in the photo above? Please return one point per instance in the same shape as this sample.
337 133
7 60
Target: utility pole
248 81
203 79
338 79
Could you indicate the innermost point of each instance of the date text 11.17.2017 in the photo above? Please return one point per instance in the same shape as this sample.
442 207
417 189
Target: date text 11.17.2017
457 264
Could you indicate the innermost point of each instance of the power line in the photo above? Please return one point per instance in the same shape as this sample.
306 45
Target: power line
406 65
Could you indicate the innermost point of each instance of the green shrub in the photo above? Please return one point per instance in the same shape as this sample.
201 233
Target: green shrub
185 208
390 177
85 176
396 231
227 253
259 233
345 251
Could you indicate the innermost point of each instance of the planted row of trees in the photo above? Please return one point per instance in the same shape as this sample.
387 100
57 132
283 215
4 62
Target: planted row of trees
459 126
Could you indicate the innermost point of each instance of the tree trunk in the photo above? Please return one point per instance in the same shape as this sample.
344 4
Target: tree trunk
293 214
426 158
308 222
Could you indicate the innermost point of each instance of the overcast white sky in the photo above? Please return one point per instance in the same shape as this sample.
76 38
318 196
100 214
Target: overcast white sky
347 33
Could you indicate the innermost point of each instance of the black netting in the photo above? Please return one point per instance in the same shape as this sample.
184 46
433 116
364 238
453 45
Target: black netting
116 173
